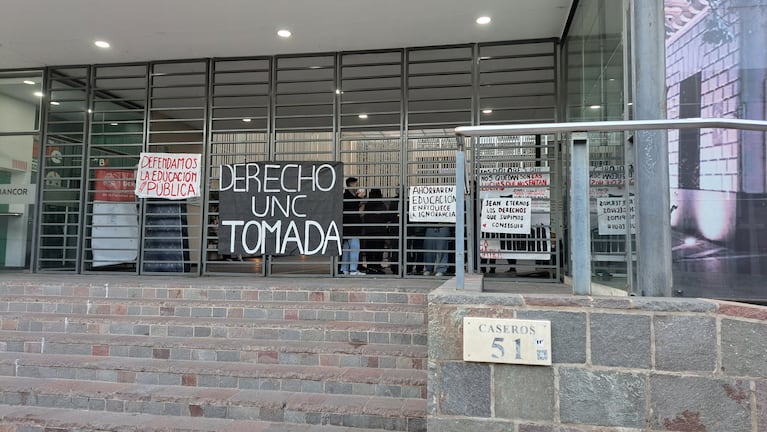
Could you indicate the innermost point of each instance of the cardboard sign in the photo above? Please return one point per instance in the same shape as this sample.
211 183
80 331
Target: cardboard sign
281 208
173 176
432 204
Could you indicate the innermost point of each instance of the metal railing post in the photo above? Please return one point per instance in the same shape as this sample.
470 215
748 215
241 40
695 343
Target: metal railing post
580 238
460 201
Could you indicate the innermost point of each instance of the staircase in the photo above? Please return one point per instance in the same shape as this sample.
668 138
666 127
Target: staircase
101 353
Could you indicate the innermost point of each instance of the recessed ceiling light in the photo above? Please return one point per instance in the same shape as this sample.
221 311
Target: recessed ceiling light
484 20
338 91
39 94
314 67
487 111
246 120
630 103
284 33
363 116
90 111
114 123
30 82
595 107
102 44
55 103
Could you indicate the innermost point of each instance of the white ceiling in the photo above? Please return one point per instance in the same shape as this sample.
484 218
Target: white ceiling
36 33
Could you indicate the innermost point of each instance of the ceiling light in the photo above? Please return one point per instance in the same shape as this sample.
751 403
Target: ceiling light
114 123
30 82
483 20
487 111
102 44
39 94
595 107
55 103
90 111
338 91
630 103
246 120
284 33
363 116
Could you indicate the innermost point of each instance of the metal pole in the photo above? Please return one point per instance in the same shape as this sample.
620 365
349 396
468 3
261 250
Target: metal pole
460 175
580 238
654 233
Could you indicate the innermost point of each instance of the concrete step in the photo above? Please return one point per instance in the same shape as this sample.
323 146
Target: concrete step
374 412
296 378
340 353
306 309
38 419
218 328
363 290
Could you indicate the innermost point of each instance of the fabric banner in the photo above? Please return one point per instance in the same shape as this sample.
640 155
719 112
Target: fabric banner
432 204
281 208
173 176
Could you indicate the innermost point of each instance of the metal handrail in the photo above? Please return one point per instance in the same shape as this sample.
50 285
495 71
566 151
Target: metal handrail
611 126
579 285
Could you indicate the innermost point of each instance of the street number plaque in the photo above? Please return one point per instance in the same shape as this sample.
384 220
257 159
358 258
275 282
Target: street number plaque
512 341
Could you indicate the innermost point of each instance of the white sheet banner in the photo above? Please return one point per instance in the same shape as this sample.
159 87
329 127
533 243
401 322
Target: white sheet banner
173 176
432 204
506 215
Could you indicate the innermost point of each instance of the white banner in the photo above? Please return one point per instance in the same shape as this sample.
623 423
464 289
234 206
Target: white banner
611 216
506 215
115 233
173 176
432 204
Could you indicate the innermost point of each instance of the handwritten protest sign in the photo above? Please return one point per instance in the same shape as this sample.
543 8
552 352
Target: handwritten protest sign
281 208
172 176
506 215
611 216
432 204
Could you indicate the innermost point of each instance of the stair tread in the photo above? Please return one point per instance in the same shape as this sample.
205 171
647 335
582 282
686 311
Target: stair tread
250 370
224 321
319 347
103 421
304 402
222 303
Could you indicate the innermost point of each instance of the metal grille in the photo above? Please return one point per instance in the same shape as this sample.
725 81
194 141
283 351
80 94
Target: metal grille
370 125
117 113
64 146
517 84
304 123
239 132
388 115
177 102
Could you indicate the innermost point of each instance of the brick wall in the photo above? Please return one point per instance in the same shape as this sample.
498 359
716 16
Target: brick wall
633 363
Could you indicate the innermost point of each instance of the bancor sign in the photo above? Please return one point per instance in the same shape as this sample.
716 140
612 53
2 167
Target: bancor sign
17 193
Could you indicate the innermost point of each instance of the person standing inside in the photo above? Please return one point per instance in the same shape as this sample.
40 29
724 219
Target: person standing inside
353 208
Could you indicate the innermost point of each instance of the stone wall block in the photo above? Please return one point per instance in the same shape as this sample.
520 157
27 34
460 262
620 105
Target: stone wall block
464 425
699 404
761 405
524 392
744 348
464 389
445 340
568 335
620 340
685 343
602 398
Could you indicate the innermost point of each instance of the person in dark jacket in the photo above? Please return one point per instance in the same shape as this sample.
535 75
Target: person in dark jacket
353 208
376 219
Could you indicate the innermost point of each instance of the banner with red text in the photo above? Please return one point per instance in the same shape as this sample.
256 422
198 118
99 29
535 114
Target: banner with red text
173 176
